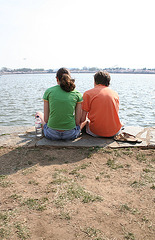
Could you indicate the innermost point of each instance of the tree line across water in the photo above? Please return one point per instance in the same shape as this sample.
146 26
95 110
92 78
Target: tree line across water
5 70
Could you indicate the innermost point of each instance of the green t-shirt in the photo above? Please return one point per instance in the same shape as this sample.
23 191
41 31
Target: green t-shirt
62 107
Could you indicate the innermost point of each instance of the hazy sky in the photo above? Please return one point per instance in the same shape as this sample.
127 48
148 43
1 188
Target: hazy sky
77 33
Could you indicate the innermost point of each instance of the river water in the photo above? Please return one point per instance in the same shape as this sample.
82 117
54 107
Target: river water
21 96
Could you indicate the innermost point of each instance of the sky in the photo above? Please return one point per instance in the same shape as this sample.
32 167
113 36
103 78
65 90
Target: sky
51 34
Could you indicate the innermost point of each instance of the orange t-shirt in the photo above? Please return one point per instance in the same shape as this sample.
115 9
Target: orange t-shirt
102 105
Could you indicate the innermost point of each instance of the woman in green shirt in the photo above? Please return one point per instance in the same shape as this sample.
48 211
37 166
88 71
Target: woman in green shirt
62 109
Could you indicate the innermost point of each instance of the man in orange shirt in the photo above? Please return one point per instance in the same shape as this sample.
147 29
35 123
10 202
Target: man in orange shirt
101 106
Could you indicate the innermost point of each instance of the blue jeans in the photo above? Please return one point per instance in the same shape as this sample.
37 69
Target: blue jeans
53 134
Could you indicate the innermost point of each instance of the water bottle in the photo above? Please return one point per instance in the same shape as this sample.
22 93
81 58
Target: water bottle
38 126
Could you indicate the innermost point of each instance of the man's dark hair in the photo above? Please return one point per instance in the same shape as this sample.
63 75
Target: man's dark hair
102 77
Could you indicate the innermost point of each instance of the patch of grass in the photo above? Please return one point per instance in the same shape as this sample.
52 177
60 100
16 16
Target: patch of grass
58 176
144 219
3 217
141 157
19 148
124 207
50 189
153 187
15 196
31 203
3 182
33 182
127 165
153 160
61 170
93 150
36 204
127 152
136 184
2 177
129 236
21 231
97 177
65 215
74 191
74 172
148 178
134 211
84 165
104 174
78 168
107 150
117 153
93 233
111 163
146 170
3 233
60 180
29 170
7 225
30 162
107 176
1 147
77 174
6 215
4 134
59 202
51 159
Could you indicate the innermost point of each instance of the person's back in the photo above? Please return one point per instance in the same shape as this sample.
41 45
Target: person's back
102 105
62 109
62 106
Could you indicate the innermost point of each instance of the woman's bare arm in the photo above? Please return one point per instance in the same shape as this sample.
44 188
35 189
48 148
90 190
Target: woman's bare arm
78 110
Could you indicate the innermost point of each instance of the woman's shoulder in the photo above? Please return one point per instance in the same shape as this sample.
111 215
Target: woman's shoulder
49 91
52 88
76 91
78 95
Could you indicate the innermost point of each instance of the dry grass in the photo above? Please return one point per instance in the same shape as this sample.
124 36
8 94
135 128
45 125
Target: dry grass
84 194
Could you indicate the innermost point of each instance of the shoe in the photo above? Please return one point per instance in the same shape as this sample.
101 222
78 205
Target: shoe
126 137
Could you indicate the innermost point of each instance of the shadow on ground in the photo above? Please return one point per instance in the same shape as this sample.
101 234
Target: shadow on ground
22 158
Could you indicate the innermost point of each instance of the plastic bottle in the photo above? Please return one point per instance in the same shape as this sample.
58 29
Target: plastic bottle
38 126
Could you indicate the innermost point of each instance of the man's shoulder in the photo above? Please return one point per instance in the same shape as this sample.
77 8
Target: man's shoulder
112 91
89 91
100 90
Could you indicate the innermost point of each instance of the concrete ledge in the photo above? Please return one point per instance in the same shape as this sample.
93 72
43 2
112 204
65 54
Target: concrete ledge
16 136
83 141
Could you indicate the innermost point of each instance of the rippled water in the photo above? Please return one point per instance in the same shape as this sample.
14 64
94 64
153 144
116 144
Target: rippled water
21 96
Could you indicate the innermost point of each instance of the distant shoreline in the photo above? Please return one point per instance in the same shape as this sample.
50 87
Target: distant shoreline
115 72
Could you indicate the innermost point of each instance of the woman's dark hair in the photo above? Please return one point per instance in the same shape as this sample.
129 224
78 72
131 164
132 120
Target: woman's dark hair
66 83
62 71
102 77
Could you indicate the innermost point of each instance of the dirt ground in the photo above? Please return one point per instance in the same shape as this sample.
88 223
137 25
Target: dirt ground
84 194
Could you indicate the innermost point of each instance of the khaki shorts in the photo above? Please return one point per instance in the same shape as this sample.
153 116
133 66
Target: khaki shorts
94 135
